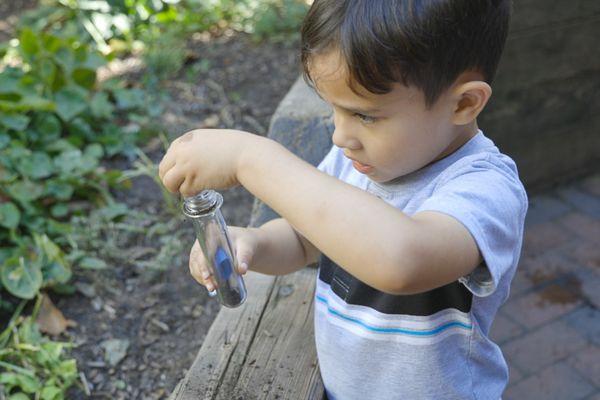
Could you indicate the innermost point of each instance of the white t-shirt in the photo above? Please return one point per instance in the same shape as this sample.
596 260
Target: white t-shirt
432 345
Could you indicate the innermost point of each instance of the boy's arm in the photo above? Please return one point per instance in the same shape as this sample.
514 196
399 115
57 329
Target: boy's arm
281 250
371 239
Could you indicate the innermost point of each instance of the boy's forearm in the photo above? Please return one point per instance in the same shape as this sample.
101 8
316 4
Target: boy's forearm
355 229
280 250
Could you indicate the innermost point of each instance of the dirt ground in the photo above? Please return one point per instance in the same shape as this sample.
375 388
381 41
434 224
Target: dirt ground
9 12
229 82
165 320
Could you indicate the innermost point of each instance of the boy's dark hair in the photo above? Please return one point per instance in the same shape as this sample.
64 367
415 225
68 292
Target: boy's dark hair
424 43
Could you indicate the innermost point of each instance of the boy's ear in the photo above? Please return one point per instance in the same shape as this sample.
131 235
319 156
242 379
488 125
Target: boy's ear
471 97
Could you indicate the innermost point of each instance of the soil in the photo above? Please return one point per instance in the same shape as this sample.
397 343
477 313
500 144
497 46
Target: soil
9 12
229 82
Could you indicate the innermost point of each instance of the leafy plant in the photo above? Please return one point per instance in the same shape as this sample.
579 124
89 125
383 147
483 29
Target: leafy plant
56 125
279 20
32 365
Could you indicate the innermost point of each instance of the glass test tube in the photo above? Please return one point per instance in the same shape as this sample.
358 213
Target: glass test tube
204 210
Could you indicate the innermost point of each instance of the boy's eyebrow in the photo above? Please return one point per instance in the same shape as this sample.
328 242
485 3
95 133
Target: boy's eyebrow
349 109
356 110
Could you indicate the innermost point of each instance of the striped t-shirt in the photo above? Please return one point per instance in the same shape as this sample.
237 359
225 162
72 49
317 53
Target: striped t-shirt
432 345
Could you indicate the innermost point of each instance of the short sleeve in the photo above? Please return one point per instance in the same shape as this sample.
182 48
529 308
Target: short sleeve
328 163
490 201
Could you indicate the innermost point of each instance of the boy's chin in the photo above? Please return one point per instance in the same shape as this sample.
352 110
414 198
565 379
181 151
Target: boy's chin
383 178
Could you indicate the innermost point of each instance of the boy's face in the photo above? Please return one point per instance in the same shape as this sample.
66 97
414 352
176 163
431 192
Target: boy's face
390 135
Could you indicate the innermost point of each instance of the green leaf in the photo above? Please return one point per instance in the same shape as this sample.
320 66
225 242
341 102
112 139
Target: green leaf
9 215
25 191
70 101
37 166
65 289
51 43
100 105
28 103
59 190
9 81
56 228
48 247
92 263
68 368
48 125
79 127
7 176
56 272
59 210
4 140
51 393
94 60
29 42
15 122
94 150
84 77
47 71
113 211
129 98
18 396
69 161
22 278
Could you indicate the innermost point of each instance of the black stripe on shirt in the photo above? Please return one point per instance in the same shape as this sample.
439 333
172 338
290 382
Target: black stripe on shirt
353 291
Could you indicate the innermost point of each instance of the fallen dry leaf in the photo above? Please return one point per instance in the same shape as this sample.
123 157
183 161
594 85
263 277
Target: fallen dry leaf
50 319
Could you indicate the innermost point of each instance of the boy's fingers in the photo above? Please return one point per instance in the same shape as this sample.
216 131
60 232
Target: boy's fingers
244 255
173 180
187 188
165 165
197 270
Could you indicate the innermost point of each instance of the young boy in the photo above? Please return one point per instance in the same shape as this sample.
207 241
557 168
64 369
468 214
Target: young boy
415 216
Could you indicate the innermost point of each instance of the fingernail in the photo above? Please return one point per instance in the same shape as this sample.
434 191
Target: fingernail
244 267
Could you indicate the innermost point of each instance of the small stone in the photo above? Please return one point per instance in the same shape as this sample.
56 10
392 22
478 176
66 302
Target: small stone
98 379
85 289
115 350
198 311
97 303
164 327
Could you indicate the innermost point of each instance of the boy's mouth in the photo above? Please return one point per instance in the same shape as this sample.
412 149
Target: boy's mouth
362 168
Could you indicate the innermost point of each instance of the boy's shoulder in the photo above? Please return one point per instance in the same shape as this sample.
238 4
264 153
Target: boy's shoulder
478 156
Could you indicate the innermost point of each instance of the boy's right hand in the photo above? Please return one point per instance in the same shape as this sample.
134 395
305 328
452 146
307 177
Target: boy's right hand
244 242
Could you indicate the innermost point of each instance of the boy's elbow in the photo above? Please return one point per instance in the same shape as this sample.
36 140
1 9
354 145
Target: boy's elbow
401 277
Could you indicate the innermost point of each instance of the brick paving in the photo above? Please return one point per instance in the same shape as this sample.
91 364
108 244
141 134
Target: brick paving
549 329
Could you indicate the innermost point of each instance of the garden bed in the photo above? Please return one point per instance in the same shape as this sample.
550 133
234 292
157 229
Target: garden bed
137 329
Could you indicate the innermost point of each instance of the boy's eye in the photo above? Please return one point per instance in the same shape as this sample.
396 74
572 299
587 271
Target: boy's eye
365 118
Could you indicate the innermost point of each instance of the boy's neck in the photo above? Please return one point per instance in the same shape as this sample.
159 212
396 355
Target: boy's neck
463 135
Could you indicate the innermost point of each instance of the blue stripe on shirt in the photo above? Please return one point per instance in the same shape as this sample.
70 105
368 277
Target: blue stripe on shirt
430 332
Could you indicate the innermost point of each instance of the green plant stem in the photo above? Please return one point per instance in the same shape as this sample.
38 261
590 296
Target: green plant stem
17 369
5 335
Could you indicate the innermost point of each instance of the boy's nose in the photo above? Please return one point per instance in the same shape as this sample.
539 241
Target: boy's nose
343 137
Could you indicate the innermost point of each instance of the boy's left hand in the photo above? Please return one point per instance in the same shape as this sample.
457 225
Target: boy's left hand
204 159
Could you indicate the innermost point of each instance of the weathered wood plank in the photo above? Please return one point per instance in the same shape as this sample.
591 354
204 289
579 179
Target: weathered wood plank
282 362
226 343
264 349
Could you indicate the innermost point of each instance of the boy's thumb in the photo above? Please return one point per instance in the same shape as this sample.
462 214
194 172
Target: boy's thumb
244 254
